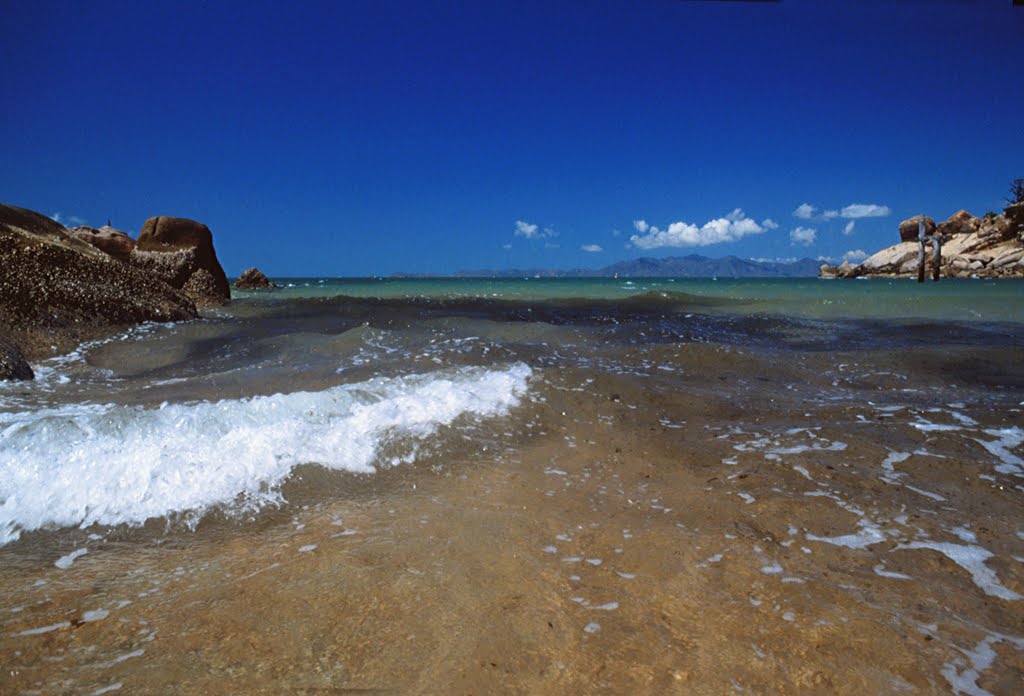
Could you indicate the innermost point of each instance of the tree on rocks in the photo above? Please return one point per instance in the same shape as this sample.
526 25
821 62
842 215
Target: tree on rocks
1016 192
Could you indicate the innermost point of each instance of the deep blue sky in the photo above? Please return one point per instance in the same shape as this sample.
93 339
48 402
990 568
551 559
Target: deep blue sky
360 138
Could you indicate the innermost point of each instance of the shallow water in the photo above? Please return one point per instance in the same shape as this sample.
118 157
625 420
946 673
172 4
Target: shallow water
524 494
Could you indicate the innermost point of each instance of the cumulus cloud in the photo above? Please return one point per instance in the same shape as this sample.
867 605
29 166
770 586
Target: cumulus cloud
854 256
777 259
769 224
730 228
67 220
848 230
531 231
803 235
855 211
525 229
594 248
506 247
805 211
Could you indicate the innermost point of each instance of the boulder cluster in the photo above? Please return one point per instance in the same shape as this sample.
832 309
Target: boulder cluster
59 286
987 247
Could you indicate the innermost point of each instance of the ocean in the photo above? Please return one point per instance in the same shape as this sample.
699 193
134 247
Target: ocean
526 486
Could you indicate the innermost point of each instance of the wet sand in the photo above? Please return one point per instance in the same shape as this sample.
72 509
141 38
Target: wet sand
701 520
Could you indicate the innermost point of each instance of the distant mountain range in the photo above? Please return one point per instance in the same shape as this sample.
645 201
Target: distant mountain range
692 266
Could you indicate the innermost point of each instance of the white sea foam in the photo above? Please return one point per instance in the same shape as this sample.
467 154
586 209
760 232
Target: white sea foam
95 615
45 629
965 680
1006 440
108 464
880 570
65 562
972 559
868 535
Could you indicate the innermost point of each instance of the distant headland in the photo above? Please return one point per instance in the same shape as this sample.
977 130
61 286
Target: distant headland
692 266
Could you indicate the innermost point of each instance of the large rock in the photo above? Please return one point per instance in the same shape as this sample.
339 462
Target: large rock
908 228
56 290
180 251
106 239
891 260
253 279
959 223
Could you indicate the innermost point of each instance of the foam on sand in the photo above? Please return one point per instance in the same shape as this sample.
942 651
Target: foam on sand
83 464
972 559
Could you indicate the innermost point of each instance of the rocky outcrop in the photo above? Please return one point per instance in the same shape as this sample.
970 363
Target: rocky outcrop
114 242
180 252
960 222
56 290
989 247
253 279
1015 217
13 364
909 227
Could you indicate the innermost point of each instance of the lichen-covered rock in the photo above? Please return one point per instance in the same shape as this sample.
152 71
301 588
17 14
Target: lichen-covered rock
113 242
253 279
56 290
175 250
12 363
909 227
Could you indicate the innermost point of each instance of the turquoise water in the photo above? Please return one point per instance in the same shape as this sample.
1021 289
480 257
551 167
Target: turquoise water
808 298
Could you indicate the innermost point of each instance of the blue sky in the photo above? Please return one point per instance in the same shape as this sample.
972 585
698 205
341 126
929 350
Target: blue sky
346 138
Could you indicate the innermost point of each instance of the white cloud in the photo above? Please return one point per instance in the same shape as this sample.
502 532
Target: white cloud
803 235
506 247
592 248
848 230
525 229
805 211
730 228
864 210
854 211
552 245
769 224
615 233
531 231
67 221
786 259
855 256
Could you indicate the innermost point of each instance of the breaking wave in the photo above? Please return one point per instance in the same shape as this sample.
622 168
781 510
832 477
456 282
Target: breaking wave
84 464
